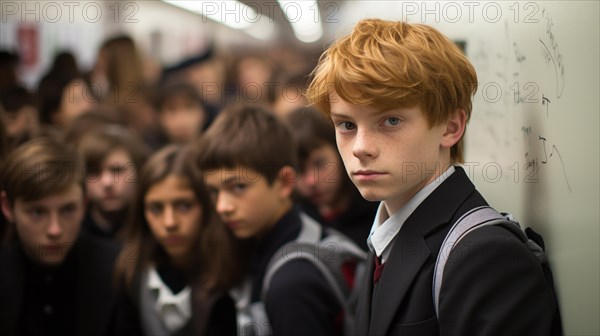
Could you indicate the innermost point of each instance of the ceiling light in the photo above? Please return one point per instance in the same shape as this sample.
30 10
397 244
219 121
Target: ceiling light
305 18
231 13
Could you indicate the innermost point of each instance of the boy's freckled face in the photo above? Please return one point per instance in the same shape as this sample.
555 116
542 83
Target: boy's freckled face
49 227
246 203
389 155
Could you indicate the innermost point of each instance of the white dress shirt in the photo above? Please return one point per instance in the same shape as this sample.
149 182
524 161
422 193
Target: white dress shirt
386 227
174 310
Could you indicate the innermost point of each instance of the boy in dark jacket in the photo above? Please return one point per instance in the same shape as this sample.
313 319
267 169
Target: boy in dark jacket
55 281
399 95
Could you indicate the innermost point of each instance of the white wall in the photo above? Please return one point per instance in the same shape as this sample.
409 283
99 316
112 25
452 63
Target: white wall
81 26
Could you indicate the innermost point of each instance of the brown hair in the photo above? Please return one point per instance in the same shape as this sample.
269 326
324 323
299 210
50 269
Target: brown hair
99 116
3 137
388 64
124 69
96 146
247 136
311 130
41 167
214 267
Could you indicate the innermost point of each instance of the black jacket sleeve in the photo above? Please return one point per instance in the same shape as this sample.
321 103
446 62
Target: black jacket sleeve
300 302
493 285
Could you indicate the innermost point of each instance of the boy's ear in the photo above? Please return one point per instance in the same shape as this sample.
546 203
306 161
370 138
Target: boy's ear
287 177
455 128
6 208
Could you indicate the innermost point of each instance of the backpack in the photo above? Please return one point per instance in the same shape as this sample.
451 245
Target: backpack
484 216
340 261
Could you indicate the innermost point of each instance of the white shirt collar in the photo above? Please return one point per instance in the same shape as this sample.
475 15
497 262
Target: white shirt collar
174 309
386 227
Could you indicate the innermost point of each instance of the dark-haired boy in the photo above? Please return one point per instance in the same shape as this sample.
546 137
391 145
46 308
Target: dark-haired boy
248 159
54 280
113 156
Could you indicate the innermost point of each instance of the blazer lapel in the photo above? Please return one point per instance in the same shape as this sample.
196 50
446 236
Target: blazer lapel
408 255
363 311
410 252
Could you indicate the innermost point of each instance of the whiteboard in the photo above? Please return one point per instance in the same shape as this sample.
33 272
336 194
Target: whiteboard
532 144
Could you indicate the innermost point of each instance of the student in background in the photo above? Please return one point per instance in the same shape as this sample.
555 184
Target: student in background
64 64
99 117
62 98
207 73
400 105
290 95
55 281
181 113
248 159
118 73
5 229
326 192
255 80
118 79
3 140
9 69
179 259
113 156
19 113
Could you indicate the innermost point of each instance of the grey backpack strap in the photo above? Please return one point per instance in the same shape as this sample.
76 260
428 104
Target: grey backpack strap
475 218
305 247
310 231
260 325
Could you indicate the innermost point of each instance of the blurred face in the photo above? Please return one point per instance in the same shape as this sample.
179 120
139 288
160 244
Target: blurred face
389 155
173 213
182 119
22 122
322 176
75 101
48 227
246 203
291 98
253 71
112 187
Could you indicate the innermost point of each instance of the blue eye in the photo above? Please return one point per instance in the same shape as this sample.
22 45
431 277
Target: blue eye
393 121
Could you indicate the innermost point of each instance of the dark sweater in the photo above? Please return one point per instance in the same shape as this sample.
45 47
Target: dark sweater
299 300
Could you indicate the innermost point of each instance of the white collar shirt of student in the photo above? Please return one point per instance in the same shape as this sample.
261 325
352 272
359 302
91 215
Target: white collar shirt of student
174 310
385 227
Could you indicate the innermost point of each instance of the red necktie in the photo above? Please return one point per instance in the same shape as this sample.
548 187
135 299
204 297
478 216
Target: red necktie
378 270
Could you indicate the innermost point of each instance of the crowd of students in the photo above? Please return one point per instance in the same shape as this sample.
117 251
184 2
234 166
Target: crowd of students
110 224
137 205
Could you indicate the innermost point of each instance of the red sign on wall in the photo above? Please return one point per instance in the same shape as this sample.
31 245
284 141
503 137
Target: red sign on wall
28 45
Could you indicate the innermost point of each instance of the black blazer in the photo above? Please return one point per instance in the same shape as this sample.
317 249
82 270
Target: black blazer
95 298
492 284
